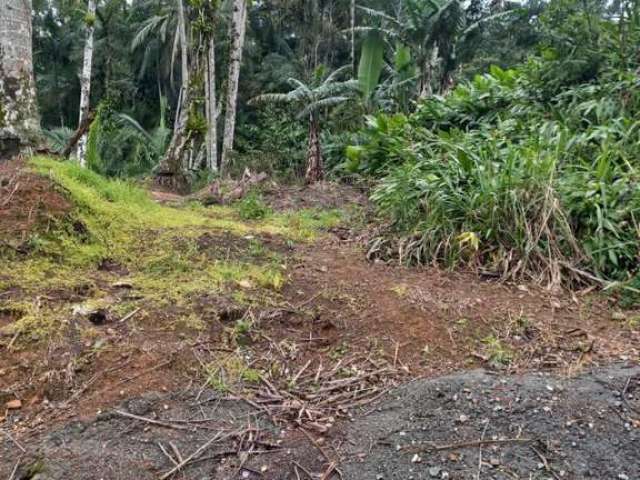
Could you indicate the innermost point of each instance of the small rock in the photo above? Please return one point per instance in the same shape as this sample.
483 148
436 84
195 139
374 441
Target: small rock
494 461
463 418
14 404
416 459
622 476
434 472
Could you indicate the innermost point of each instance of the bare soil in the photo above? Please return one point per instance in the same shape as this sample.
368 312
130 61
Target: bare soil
28 204
317 356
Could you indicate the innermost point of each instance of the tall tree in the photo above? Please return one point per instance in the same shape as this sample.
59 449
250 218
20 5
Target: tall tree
19 120
238 30
85 79
184 60
211 107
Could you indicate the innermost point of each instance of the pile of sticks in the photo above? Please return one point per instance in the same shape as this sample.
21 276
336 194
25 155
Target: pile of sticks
314 397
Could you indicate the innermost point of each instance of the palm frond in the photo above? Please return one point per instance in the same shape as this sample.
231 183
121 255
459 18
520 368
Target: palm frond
378 14
320 104
270 98
336 88
489 18
336 73
386 31
148 27
299 85
435 16
132 122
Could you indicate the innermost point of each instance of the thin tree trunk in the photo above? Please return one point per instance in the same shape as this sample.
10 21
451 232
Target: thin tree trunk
238 30
181 37
184 53
19 120
85 81
178 156
211 108
314 153
353 36
430 63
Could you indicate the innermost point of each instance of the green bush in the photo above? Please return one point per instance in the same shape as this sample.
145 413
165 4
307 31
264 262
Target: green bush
517 175
252 207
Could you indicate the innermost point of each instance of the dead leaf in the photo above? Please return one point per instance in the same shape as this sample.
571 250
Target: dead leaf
14 404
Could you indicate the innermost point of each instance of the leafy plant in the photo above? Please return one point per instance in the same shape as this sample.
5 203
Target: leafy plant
252 207
515 177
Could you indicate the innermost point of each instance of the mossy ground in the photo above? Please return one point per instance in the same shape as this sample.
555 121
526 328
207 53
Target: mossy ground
159 247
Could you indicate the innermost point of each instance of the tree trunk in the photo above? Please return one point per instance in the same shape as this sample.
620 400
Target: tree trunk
19 120
184 62
426 77
85 80
353 37
171 170
211 108
238 30
314 152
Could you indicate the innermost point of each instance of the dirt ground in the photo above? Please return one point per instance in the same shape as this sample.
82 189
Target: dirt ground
464 426
307 380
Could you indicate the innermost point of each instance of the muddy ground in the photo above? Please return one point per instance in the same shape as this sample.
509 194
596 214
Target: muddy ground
464 426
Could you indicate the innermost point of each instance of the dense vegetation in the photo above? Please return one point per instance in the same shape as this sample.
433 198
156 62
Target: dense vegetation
527 171
412 48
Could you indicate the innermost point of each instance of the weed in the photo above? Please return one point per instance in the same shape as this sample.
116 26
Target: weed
227 371
252 207
400 290
498 353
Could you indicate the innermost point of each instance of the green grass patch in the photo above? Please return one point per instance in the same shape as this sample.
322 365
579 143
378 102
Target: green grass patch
158 245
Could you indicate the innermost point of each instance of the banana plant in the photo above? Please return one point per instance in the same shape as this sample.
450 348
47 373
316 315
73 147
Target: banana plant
310 99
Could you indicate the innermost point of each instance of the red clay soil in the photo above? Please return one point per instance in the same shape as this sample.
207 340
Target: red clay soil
440 321
28 203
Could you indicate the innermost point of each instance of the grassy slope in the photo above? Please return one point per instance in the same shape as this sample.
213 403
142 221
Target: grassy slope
157 244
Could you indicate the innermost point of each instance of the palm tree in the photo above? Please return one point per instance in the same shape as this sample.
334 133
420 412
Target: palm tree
432 30
322 93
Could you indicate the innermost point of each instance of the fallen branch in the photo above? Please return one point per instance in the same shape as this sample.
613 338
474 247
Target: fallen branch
75 138
151 420
216 438
15 469
213 194
144 372
472 444
13 440
130 315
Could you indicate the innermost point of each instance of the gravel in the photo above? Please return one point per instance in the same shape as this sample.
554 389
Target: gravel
472 425
534 426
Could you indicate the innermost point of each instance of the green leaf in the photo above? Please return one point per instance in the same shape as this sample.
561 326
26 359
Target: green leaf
371 63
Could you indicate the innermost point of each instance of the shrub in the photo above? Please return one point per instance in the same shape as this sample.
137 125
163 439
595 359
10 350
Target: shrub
514 179
252 207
